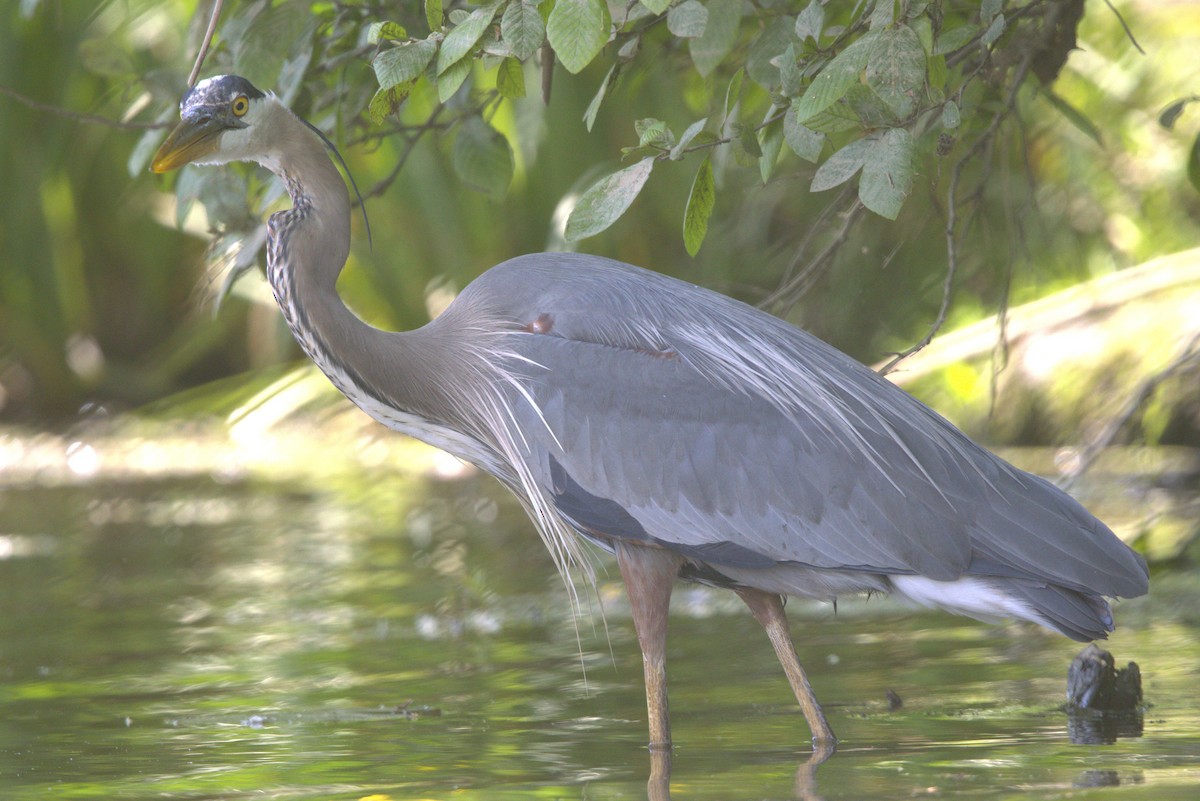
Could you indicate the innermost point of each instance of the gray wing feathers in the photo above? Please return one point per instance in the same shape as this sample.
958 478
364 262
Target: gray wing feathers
721 429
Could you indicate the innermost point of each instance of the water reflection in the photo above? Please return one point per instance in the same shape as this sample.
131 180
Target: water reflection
189 639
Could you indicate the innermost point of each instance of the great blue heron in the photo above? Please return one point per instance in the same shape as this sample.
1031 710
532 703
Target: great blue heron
692 435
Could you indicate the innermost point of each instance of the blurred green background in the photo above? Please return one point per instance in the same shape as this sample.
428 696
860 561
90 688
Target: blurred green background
105 303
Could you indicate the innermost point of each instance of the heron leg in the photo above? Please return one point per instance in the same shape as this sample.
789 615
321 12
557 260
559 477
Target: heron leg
767 608
649 575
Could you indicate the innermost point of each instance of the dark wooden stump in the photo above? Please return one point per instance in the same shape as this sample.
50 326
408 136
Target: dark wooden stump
1103 703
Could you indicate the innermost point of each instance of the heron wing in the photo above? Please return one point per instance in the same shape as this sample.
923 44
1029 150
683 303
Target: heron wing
677 415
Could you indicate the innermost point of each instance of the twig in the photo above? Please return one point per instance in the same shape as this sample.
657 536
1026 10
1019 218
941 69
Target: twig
208 36
1188 354
1121 20
381 187
91 119
794 287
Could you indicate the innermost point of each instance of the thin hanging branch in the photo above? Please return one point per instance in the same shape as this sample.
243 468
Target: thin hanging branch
77 116
208 37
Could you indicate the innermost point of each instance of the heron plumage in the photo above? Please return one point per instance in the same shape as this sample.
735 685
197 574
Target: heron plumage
690 433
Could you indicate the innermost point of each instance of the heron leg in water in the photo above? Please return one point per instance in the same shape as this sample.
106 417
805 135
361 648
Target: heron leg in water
767 608
649 575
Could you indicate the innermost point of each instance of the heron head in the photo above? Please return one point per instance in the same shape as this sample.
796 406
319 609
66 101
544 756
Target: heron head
221 119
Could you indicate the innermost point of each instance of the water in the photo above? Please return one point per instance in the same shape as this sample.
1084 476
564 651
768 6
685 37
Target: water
402 638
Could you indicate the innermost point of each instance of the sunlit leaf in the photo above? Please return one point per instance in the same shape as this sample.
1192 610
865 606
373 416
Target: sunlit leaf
577 30
804 142
836 78
710 49
385 31
510 79
449 82
463 38
887 172
589 116
602 204
654 133
841 166
699 207
688 19
691 133
386 102
403 64
810 22
896 69
433 14
522 29
656 6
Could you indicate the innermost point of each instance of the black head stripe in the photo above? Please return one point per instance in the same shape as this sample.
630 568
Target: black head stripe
218 90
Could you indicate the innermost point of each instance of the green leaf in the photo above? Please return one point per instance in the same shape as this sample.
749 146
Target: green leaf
1075 117
403 64
790 77
699 207
607 199
269 39
949 41
691 133
836 78
950 115
734 92
896 69
483 158
433 14
386 102
768 46
887 173
770 140
810 22
994 31
841 166
656 6
938 73
838 118
688 19
463 38
589 116
1193 165
1170 114
510 79
385 31
449 81
883 15
653 133
148 142
804 142
577 30
710 49
988 9
522 29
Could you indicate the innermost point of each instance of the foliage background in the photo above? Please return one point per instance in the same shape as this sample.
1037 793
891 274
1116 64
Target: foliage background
103 304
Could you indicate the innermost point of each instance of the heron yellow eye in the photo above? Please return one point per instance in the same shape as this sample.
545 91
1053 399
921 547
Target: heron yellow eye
240 106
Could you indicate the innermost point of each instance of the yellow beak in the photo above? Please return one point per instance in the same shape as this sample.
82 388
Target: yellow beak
188 142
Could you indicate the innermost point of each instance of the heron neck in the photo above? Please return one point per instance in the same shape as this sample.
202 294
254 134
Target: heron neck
307 248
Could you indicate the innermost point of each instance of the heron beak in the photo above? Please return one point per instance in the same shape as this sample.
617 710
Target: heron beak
188 142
